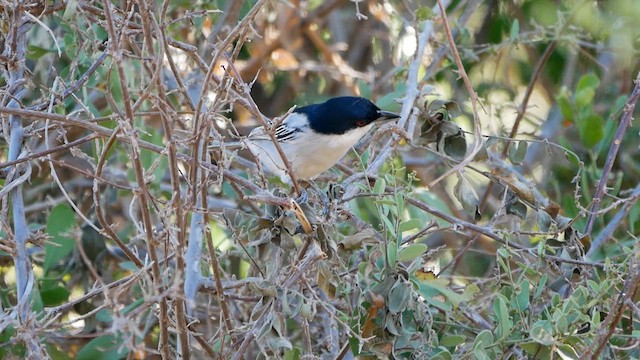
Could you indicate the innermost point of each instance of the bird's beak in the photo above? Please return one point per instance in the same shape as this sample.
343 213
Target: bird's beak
387 115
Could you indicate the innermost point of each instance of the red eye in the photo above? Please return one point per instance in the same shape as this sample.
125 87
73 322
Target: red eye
361 123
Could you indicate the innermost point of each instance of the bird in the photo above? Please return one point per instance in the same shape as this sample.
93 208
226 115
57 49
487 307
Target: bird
315 137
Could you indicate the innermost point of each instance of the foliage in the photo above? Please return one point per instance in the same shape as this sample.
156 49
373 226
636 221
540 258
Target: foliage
497 218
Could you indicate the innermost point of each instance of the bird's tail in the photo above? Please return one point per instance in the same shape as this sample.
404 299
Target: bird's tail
229 145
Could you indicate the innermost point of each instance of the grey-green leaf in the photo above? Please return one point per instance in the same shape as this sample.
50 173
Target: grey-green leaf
467 197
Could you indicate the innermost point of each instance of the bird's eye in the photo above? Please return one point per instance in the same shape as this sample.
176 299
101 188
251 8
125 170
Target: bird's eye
361 123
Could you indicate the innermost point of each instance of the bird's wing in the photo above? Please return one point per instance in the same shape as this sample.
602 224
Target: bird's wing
286 133
258 133
283 133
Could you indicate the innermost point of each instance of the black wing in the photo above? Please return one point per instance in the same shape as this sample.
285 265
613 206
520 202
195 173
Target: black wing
286 133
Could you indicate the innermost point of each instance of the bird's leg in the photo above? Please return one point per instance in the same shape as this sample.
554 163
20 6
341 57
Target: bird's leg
333 194
303 198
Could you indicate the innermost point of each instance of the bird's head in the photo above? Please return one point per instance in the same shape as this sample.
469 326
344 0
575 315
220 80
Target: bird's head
339 115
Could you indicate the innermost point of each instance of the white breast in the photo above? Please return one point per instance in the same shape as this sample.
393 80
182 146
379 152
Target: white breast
309 154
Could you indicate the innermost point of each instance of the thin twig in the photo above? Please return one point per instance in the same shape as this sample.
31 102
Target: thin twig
609 325
522 109
625 123
129 129
613 224
473 96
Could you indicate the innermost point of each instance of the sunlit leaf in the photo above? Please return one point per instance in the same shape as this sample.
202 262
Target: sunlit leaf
515 30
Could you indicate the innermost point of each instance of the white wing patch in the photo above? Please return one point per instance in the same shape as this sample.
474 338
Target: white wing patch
294 123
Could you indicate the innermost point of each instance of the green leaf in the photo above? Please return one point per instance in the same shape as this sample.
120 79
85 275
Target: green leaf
517 208
293 354
134 305
103 348
54 296
467 197
591 129
440 354
452 340
364 158
484 339
410 224
354 345
424 13
392 252
515 30
482 344
10 348
543 219
389 225
60 222
411 252
455 147
114 85
501 310
586 90
522 299
634 215
70 45
517 154
536 350
389 101
104 316
561 322
380 186
541 333
70 10
36 52
564 104
566 352
431 288
585 97
399 297
56 353
480 353
588 81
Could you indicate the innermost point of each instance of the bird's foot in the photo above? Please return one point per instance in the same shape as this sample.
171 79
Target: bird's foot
303 198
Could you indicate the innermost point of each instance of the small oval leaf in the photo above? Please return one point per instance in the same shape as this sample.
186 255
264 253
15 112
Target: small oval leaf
467 197
411 252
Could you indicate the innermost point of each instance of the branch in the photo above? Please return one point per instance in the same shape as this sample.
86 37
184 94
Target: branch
129 129
412 93
625 123
477 128
613 224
